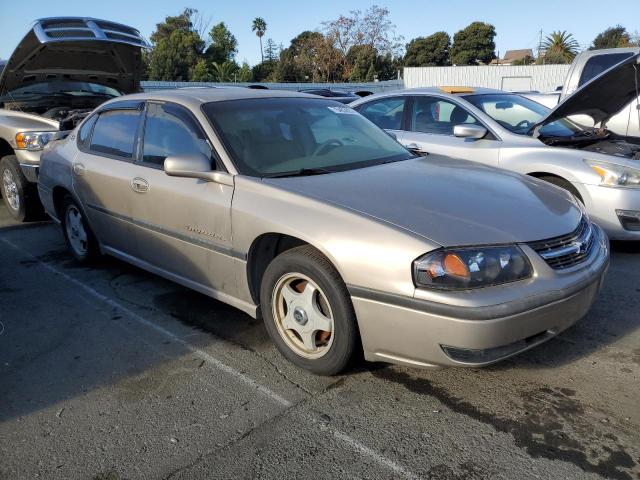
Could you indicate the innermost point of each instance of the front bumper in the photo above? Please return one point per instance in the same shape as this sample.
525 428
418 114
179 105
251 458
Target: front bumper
602 204
421 333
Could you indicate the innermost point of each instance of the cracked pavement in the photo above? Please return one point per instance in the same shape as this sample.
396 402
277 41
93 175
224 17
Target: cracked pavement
114 373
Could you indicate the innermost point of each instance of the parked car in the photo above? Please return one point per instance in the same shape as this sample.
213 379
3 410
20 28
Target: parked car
61 70
298 209
586 66
338 96
501 129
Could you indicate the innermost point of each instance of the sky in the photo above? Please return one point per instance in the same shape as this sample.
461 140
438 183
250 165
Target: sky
518 23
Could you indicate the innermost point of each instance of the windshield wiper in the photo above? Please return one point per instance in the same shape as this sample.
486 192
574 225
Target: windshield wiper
303 172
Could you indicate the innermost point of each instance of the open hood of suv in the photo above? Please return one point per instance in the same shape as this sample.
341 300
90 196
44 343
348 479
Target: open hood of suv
603 96
76 49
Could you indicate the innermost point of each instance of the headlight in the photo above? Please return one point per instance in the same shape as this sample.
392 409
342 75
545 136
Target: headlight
35 140
465 268
612 175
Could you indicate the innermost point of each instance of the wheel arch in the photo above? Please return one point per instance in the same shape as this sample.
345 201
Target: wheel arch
5 148
575 191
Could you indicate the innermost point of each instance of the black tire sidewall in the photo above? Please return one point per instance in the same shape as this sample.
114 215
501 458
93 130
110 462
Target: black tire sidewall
324 275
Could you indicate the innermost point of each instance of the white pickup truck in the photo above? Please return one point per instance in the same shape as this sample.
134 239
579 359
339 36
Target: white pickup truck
586 66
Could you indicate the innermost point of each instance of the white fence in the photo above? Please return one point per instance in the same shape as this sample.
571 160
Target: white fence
543 78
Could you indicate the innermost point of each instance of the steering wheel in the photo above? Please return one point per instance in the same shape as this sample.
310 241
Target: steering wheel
332 142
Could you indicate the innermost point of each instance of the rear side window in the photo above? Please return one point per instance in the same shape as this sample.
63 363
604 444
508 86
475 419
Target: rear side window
386 113
598 64
438 116
84 135
171 130
115 132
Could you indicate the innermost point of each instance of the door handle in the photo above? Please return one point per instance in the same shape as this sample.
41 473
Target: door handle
139 185
415 148
79 169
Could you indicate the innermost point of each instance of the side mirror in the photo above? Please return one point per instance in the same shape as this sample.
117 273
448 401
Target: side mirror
195 166
469 130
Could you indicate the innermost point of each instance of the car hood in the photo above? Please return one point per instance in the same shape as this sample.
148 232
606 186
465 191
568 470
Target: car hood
451 202
603 96
76 49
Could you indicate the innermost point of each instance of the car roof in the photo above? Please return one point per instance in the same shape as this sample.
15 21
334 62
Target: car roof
447 90
198 96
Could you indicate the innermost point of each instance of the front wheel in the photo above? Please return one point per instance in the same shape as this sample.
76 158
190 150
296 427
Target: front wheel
308 312
77 234
19 195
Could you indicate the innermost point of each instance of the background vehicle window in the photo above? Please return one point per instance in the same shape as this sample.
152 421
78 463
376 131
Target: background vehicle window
386 113
85 131
598 64
434 115
171 130
115 133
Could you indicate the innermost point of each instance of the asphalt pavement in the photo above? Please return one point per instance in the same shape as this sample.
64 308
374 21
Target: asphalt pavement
113 373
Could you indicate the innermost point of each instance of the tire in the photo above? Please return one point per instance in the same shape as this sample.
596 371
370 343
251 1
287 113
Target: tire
78 236
562 183
20 196
300 268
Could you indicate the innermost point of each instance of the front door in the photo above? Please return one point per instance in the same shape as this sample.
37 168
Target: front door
430 130
183 225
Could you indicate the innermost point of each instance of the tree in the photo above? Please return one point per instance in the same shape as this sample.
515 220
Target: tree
362 61
474 44
527 60
428 51
223 72
200 72
244 73
613 37
177 48
260 27
372 28
224 46
271 51
559 47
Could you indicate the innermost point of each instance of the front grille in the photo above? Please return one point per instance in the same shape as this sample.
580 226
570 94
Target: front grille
567 250
75 33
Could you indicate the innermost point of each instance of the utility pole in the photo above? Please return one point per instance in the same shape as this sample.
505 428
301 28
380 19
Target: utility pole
540 45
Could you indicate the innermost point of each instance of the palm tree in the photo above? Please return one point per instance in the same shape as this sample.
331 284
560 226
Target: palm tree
559 47
223 72
260 27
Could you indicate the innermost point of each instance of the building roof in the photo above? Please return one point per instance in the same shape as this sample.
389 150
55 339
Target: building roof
513 55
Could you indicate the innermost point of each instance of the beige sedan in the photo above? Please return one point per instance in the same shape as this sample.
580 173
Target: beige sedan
299 210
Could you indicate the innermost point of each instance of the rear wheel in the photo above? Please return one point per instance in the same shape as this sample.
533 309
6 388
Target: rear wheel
19 195
562 183
308 312
77 234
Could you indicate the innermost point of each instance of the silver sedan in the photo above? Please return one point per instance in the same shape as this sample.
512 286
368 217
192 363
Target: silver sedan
509 131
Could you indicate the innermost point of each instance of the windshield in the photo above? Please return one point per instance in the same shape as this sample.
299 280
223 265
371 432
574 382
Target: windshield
65 88
269 137
519 114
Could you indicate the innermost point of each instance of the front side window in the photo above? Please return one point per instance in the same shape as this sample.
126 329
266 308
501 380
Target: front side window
115 132
84 135
171 130
438 116
519 114
269 137
386 113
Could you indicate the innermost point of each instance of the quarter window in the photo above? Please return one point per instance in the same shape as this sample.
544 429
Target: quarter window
171 130
115 133
386 113
438 116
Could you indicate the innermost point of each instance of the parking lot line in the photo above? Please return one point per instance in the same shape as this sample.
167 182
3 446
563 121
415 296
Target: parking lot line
339 435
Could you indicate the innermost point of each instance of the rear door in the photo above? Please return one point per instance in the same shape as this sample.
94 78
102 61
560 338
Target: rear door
431 121
102 172
183 225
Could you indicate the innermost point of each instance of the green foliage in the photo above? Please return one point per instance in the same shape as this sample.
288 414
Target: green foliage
474 44
223 72
224 45
559 47
361 61
613 37
428 51
259 26
244 74
177 48
528 60
201 73
264 71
